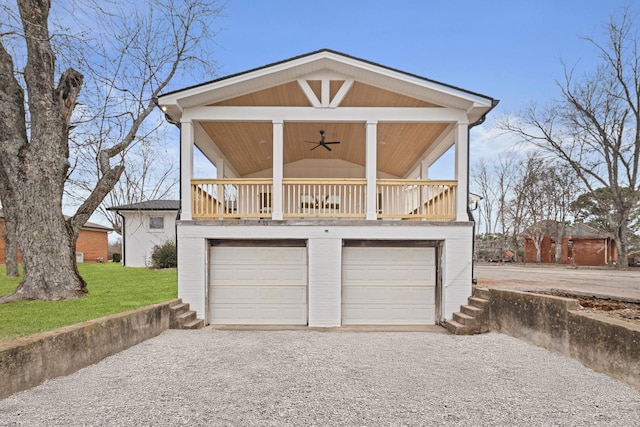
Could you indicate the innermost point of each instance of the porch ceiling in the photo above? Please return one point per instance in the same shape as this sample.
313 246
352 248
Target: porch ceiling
248 146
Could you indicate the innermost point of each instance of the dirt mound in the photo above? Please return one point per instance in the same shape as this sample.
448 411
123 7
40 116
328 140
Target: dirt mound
620 309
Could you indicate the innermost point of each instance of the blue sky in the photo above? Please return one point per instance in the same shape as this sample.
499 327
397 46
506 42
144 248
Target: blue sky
509 50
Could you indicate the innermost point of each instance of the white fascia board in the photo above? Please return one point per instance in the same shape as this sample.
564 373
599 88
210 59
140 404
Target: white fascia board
345 114
319 66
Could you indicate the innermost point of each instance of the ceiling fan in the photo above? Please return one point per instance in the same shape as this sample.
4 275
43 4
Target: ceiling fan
322 142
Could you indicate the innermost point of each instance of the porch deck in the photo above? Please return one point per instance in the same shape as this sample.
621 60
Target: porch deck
397 199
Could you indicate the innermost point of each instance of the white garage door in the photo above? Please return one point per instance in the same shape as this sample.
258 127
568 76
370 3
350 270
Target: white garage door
258 285
388 286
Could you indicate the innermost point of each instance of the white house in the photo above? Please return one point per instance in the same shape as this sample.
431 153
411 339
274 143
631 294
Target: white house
322 212
144 226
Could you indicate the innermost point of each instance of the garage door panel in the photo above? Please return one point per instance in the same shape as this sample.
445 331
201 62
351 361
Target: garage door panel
391 255
258 285
293 275
259 255
255 294
390 294
367 275
388 286
393 314
256 314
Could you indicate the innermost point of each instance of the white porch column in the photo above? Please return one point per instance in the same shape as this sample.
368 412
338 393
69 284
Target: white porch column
186 167
278 169
462 160
371 166
424 170
219 168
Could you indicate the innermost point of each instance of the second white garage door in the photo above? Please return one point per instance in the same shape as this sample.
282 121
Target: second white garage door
388 285
258 285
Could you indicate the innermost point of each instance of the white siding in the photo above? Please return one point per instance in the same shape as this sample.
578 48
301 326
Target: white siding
324 263
324 282
192 272
139 239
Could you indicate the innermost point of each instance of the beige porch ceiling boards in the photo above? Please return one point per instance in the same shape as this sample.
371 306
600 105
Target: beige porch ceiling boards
249 145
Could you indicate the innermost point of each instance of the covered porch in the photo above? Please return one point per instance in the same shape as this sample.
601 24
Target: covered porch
376 169
324 135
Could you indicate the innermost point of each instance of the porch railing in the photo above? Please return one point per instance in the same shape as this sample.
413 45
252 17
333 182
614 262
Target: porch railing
343 198
323 198
231 198
417 199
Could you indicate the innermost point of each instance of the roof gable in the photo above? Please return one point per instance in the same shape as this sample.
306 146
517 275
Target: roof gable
261 84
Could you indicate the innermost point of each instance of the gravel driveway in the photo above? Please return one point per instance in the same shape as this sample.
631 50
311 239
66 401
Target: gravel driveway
245 378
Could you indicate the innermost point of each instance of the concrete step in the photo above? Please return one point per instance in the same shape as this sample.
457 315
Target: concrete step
179 308
481 293
478 302
194 324
186 317
458 328
471 310
465 319
453 326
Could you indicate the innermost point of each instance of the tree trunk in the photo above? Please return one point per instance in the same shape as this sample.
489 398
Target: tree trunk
559 241
48 253
11 246
35 163
538 251
621 243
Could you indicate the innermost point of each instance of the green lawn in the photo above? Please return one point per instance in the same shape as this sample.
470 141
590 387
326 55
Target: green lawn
112 289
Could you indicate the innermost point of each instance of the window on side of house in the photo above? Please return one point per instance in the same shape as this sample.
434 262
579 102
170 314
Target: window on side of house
156 223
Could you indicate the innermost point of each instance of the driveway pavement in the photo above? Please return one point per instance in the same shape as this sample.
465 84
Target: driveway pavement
306 378
621 284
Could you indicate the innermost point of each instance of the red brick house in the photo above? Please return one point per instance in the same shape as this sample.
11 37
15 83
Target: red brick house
581 245
92 244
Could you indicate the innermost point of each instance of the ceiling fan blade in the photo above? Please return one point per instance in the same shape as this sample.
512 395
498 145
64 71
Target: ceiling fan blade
333 142
315 147
325 146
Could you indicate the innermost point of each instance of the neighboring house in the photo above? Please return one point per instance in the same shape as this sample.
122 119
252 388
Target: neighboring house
92 244
144 226
581 245
297 228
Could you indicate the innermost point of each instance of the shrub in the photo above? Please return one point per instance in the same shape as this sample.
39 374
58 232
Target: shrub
116 257
165 255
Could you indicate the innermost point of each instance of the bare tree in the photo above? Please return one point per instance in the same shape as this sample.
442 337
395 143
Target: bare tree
530 201
593 127
531 197
150 173
483 185
138 51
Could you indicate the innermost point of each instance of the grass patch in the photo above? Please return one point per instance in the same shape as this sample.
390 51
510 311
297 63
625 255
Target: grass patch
112 289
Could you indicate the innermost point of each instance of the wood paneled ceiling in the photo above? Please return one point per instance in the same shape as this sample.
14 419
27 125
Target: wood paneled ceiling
249 146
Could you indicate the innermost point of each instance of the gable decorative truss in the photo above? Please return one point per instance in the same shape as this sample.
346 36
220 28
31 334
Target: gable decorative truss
324 79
